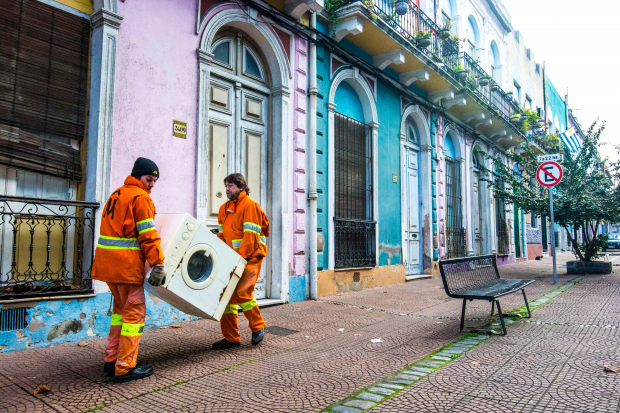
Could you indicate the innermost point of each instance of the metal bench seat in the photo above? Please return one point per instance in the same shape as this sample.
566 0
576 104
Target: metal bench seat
477 278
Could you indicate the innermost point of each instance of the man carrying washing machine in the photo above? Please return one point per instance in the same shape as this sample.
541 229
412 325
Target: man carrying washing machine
244 227
127 239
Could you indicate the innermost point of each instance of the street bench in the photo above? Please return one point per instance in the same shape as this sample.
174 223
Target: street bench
477 278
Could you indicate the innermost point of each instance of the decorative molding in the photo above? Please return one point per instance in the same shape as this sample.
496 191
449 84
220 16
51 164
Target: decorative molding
420 75
107 18
483 122
297 8
383 60
352 25
478 115
459 100
496 133
435 97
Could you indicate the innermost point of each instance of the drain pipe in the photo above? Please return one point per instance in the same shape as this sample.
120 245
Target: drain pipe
311 154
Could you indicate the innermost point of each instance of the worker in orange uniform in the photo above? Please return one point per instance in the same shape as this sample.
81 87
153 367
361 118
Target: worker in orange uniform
244 227
127 239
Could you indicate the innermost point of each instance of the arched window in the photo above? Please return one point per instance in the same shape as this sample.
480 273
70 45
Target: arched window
226 50
495 62
412 132
472 37
446 11
455 234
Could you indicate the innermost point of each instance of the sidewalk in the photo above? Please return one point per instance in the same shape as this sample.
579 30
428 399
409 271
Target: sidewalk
306 364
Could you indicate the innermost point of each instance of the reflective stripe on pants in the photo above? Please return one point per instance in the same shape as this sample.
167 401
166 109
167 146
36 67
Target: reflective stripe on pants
126 326
243 297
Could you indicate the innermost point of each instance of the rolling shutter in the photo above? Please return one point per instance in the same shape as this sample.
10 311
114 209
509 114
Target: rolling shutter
44 56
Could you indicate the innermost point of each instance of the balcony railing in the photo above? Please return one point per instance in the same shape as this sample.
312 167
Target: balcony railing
46 247
456 244
503 241
444 52
355 243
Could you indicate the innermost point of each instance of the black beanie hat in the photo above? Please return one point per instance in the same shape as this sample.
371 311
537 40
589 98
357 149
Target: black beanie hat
144 166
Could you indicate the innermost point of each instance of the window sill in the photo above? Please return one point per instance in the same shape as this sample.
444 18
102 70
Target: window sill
46 298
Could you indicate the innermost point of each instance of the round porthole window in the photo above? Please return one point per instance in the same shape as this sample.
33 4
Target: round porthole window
199 266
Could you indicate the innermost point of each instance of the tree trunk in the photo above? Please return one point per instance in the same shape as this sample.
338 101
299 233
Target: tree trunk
574 242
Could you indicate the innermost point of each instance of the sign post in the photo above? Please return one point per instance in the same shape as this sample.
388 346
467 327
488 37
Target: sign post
549 174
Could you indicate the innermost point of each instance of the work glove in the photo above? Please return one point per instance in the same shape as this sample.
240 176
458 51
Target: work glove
158 276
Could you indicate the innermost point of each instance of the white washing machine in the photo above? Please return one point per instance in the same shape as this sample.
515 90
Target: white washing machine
201 270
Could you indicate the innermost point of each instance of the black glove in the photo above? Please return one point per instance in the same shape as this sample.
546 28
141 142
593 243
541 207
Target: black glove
158 276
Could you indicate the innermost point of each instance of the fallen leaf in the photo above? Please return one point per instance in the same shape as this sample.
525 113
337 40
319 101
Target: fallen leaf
177 333
42 389
475 362
612 369
82 344
376 340
280 308
357 335
176 326
164 327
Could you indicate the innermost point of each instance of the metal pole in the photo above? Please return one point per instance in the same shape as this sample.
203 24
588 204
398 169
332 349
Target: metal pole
311 154
555 274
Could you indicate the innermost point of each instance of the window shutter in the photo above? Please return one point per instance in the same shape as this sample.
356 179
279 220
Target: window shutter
44 56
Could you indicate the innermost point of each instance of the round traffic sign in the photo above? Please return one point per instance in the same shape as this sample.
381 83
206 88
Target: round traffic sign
549 174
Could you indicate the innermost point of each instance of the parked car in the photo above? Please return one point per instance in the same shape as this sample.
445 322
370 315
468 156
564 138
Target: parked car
613 241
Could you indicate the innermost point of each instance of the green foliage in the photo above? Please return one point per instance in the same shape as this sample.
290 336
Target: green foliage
585 198
331 6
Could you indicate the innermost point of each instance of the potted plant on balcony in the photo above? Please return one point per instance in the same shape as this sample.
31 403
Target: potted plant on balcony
424 38
444 32
494 87
401 7
516 118
509 96
484 80
460 72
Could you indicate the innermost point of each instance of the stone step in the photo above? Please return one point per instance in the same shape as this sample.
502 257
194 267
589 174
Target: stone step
381 390
360 404
431 364
402 381
344 409
441 358
369 396
421 369
391 386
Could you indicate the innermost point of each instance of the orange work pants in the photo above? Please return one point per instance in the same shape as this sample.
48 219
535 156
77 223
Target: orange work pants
243 297
129 311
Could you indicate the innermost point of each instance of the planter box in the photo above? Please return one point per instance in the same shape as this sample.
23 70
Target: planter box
594 267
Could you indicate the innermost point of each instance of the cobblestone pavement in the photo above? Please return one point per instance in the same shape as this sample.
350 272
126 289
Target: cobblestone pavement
308 364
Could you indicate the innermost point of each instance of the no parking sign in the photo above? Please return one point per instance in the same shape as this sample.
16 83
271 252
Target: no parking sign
549 174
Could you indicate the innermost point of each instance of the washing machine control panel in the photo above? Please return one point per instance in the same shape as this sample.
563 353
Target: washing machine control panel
176 249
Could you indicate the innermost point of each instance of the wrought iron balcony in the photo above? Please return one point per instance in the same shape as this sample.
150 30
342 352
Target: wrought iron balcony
46 247
456 245
355 245
446 54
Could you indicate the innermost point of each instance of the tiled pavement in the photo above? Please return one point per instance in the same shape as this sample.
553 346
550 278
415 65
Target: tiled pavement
537 367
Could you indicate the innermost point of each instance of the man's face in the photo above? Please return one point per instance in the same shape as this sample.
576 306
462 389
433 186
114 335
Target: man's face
232 191
148 181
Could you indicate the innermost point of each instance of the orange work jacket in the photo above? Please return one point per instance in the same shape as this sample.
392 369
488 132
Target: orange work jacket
244 227
128 236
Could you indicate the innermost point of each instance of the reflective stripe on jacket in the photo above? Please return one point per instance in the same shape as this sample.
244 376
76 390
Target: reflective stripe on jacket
128 236
244 227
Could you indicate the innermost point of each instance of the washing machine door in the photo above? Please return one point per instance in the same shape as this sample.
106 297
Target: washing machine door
199 266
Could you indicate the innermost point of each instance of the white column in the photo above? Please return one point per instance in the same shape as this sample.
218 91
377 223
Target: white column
331 108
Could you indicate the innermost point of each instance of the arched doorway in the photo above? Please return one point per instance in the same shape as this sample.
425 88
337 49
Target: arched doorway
243 127
455 242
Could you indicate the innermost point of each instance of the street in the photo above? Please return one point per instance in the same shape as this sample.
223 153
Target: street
551 363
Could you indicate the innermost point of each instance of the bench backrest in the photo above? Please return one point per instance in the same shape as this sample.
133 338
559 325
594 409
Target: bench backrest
462 274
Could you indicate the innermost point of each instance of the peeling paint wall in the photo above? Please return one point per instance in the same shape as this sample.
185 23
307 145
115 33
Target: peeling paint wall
62 321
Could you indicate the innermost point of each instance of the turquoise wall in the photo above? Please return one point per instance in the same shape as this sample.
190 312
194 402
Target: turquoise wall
62 321
389 113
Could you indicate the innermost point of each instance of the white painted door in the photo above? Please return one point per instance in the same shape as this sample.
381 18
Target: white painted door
477 214
413 236
238 130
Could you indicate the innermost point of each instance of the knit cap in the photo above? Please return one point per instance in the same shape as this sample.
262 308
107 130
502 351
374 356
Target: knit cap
144 166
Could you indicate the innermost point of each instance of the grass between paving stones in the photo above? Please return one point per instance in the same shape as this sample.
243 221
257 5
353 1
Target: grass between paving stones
521 311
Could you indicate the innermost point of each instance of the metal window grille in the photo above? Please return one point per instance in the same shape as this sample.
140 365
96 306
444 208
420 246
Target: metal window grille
46 247
13 319
501 226
455 233
354 227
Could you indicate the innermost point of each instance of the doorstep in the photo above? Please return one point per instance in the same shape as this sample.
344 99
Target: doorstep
269 302
417 277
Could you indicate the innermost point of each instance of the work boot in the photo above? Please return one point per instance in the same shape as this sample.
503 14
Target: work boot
136 373
224 344
108 368
258 336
